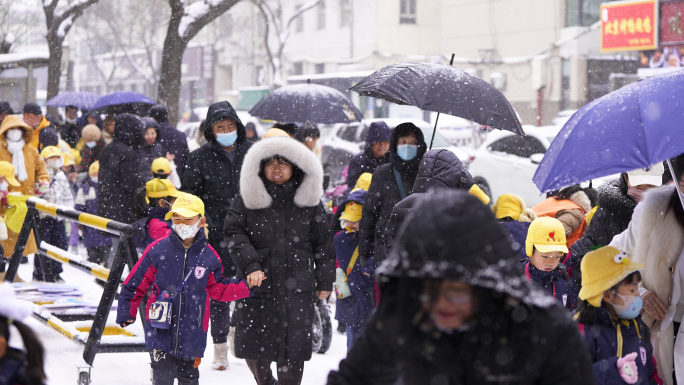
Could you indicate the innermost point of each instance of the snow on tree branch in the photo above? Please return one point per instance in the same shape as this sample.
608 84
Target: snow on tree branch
64 26
197 14
60 18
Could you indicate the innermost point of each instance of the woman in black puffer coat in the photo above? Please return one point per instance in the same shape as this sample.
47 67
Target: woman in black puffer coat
279 237
384 191
456 309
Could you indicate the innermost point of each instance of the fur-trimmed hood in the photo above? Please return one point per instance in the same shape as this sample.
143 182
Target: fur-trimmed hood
612 196
582 200
252 187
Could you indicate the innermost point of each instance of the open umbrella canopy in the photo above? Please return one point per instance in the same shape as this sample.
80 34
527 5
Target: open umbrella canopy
79 99
120 102
442 88
306 103
634 127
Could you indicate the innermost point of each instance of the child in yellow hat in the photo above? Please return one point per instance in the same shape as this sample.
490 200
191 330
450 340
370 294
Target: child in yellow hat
354 282
151 204
162 168
98 246
184 273
545 246
609 318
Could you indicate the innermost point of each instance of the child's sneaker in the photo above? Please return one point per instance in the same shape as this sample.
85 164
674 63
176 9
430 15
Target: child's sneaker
220 356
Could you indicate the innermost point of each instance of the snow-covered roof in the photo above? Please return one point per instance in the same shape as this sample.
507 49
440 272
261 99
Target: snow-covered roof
20 59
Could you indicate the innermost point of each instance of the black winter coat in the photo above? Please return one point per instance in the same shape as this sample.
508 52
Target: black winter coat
70 133
149 154
383 194
174 142
612 218
364 162
439 169
286 236
121 170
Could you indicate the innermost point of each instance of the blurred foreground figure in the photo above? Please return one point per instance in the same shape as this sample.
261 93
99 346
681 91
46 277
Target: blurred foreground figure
455 308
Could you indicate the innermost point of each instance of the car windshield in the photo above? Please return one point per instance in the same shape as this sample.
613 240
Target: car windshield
440 141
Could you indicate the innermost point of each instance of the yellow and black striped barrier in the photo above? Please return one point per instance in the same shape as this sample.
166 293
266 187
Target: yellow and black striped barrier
67 258
86 219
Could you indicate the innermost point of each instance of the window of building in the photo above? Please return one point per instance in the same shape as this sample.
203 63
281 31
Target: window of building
345 13
407 12
582 13
299 21
320 68
321 14
298 68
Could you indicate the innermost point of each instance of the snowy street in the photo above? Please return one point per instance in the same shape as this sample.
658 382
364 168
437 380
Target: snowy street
62 354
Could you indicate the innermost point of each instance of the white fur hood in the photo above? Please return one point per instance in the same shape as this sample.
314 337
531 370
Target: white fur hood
252 188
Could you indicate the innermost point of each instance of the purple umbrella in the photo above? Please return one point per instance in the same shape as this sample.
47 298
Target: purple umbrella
120 102
79 99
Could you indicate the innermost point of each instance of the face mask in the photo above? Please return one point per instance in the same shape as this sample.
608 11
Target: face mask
636 194
186 231
54 163
631 309
91 144
70 121
4 185
94 179
227 140
407 151
14 134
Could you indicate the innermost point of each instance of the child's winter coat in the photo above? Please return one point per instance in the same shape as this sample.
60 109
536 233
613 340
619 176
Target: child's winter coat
152 227
86 201
59 191
354 310
610 339
555 282
163 266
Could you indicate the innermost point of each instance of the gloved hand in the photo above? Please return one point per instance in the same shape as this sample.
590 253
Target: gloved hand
628 368
127 323
42 188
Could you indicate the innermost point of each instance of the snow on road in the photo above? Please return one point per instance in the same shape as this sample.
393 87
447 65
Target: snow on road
62 354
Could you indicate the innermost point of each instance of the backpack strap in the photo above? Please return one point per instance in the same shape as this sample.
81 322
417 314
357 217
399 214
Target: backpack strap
400 184
354 257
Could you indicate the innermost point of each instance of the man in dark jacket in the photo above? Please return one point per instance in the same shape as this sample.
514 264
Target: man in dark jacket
44 133
455 309
373 156
172 140
5 109
213 174
391 183
439 169
120 170
70 131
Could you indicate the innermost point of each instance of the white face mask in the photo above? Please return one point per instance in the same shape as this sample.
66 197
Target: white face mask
54 163
186 231
14 134
91 144
94 179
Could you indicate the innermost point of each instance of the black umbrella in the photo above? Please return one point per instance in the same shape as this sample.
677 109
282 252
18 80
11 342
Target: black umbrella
306 103
442 89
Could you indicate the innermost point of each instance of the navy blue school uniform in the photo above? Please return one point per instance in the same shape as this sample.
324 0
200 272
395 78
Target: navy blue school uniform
518 232
152 227
86 201
163 266
354 310
555 282
607 337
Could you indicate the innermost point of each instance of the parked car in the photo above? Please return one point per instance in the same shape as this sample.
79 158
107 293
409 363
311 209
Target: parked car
506 163
347 140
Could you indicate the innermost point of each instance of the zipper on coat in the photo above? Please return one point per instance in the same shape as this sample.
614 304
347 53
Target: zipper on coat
180 303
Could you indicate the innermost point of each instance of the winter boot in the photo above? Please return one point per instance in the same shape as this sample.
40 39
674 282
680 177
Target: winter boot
231 339
220 356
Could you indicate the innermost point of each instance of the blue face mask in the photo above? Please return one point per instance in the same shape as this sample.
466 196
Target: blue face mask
629 310
407 151
227 140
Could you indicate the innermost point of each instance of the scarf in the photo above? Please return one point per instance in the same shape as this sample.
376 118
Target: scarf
16 149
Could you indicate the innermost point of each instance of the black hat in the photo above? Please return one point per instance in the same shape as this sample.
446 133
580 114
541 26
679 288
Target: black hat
450 234
33 108
5 107
149 122
159 113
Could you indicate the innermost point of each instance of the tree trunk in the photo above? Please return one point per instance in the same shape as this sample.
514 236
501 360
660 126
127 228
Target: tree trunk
169 87
54 69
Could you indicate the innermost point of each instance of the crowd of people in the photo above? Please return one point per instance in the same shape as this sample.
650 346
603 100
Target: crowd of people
433 282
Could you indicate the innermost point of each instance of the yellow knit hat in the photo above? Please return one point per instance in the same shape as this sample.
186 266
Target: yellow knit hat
364 181
507 205
603 269
477 192
547 235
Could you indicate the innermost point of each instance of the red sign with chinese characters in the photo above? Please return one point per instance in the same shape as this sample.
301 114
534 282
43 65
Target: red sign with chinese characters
629 26
672 23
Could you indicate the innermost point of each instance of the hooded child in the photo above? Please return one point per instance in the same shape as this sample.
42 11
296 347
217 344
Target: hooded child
609 319
98 246
184 272
545 247
52 228
151 204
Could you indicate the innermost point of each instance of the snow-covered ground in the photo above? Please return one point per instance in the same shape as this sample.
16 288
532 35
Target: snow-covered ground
134 368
